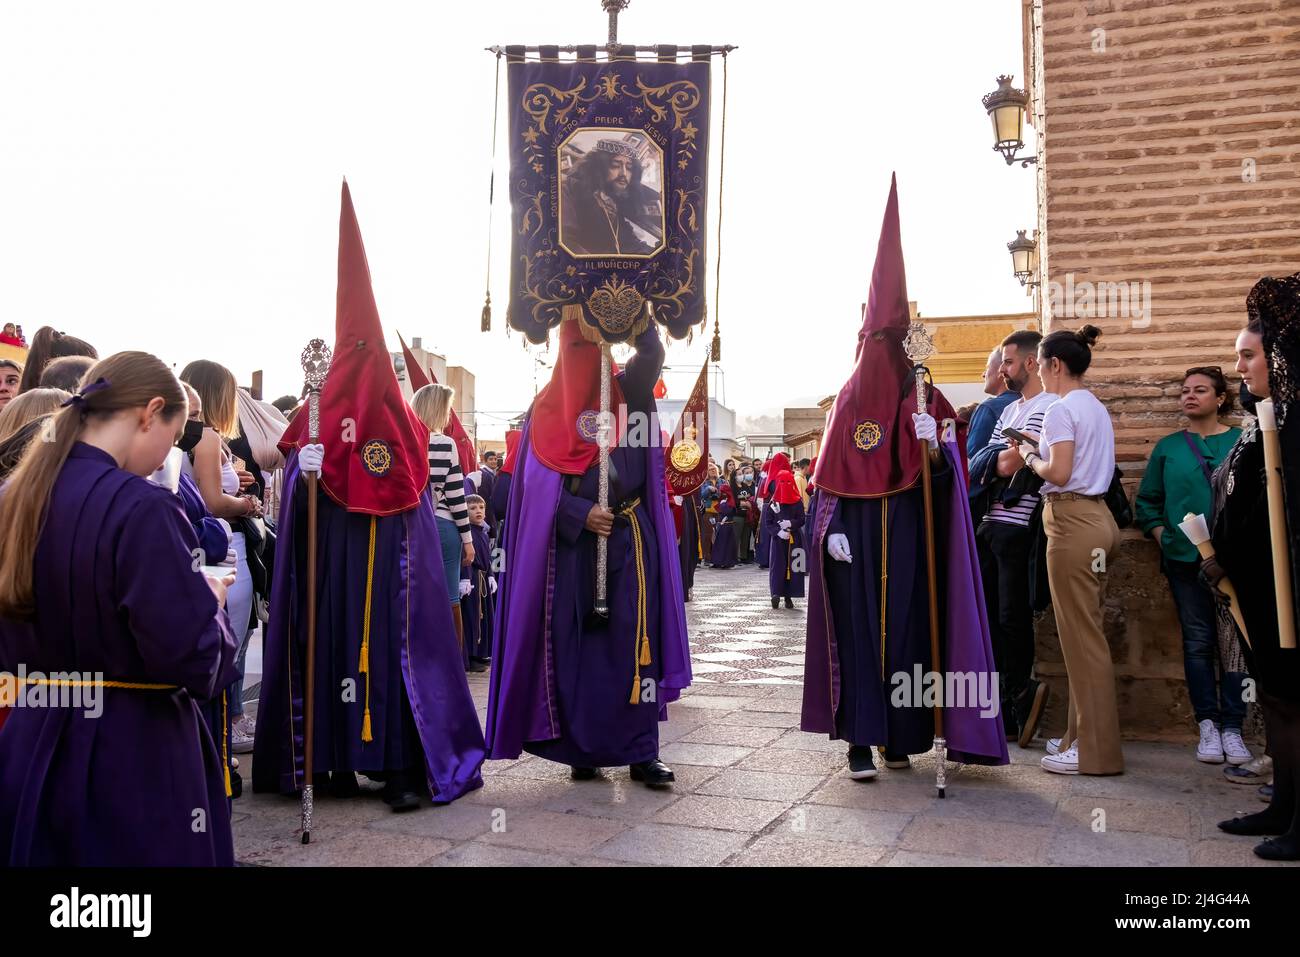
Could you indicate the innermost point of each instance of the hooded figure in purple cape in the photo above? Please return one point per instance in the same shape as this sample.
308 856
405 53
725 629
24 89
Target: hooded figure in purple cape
868 661
391 698
568 685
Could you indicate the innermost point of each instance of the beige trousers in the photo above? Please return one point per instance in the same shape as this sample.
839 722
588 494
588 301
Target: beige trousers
1082 539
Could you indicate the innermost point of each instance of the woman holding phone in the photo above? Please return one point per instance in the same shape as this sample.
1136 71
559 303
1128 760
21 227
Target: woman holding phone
1077 463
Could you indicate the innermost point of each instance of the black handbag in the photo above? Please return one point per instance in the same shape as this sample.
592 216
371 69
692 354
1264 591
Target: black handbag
1117 501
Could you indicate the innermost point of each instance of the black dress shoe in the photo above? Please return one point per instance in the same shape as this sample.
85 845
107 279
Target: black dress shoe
477 665
776 601
789 603
583 774
399 795
654 773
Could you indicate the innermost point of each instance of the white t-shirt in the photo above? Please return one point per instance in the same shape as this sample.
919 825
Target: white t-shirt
1082 419
1023 415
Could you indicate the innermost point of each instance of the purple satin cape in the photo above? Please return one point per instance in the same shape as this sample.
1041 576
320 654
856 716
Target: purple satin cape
522 696
971 739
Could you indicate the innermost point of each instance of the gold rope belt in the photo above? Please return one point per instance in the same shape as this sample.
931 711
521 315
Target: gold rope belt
641 650
77 683
363 666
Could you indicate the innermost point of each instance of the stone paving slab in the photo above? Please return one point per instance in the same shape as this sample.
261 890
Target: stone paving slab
754 790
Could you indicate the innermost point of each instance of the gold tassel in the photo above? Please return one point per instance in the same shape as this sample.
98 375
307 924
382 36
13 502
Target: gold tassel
636 689
225 741
486 325
645 649
363 667
717 346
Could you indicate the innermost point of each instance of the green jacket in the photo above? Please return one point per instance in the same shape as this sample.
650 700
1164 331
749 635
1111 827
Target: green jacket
1175 484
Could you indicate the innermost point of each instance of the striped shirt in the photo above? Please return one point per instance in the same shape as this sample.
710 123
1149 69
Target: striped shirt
1023 415
448 483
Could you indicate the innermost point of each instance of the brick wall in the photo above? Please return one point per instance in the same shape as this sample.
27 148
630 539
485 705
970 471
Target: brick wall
1145 145
1169 154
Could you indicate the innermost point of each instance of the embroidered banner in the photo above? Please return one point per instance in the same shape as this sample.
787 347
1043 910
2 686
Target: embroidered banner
687 461
609 175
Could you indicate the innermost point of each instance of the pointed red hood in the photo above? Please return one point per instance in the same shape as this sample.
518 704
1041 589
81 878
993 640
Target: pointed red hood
376 448
566 413
870 448
775 466
455 431
786 492
512 451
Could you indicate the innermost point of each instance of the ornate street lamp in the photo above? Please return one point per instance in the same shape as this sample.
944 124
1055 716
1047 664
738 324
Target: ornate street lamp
1023 257
1006 108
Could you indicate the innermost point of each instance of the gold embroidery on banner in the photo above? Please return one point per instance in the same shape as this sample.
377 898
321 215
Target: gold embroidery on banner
616 305
686 455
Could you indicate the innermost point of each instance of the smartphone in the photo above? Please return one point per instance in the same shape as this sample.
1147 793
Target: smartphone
1020 437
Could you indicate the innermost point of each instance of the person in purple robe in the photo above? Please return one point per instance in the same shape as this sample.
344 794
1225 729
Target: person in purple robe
784 518
690 548
214 540
726 549
487 486
478 590
570 685
501 485
116 638
391 698
868 638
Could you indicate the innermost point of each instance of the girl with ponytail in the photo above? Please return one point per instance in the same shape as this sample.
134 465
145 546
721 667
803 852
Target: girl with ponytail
110 635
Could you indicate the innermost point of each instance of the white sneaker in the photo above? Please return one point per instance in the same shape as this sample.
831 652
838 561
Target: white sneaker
1210 750
1234 749
1066 762
241 735
1053 746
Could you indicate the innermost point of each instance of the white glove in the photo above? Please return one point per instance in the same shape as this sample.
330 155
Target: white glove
466 586
776 507
310 458
838 546
759 500
784 534
713 521
784 523
492 586
677 500
925 428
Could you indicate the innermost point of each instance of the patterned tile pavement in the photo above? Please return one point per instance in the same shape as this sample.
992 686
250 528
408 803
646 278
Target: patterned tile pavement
753 790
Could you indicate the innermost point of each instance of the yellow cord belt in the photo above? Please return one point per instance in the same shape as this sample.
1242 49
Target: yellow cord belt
641 650
364 666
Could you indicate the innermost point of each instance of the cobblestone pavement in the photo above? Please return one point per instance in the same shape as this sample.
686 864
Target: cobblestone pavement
754 790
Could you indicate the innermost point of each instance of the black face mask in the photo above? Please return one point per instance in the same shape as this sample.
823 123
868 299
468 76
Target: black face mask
193 432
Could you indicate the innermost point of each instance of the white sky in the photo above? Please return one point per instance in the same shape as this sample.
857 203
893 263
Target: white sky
171 175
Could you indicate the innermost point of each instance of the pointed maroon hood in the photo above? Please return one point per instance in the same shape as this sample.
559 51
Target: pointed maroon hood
870 448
